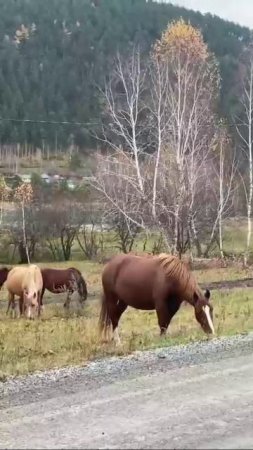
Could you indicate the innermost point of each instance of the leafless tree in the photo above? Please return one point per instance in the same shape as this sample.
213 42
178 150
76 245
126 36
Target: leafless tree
32 230
24 195
223 173
91 239
59 223
171 102
244 131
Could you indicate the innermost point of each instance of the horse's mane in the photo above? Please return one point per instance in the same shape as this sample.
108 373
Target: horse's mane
178 271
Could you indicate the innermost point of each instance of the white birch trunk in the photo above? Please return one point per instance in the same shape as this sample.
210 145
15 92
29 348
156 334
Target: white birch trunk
249 203
221 203
24 231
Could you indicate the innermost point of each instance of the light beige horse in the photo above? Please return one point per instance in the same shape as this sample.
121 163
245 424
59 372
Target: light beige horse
26 282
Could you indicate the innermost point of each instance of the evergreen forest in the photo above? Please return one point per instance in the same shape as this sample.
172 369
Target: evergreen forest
55 54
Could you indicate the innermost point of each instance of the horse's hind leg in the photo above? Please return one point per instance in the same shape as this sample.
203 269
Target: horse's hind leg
68 299
12 304
165 311
116 312
111 311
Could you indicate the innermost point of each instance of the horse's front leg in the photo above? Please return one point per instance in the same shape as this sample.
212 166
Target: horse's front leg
10 302
165 311
40 301
21 305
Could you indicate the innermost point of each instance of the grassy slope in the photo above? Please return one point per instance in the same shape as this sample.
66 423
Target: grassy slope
61 338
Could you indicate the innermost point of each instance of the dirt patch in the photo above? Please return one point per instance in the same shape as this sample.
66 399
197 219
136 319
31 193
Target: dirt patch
229 284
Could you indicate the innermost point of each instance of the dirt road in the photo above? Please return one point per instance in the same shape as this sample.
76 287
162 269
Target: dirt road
198 396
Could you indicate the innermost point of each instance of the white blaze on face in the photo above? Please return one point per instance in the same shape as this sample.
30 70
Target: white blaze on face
206 310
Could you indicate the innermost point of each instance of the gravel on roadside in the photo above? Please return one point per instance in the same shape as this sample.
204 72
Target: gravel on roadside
95 373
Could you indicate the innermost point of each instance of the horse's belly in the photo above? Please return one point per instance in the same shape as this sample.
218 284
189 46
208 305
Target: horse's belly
58 289
136 297
145 305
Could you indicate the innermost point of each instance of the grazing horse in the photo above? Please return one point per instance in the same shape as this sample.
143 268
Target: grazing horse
160 282
3 275
26 282
64 280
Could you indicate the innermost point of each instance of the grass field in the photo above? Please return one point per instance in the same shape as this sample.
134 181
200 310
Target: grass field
61 338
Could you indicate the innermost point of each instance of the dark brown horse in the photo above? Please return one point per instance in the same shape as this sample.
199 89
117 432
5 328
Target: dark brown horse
64 280
3 275
151 282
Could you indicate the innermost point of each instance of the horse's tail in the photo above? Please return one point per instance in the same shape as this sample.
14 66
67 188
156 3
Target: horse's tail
104 317
81 284
82 288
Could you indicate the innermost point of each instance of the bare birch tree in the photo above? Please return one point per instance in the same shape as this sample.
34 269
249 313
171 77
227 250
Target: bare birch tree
193 83
124 105
24 195
160 126
120 174
224 182
244 131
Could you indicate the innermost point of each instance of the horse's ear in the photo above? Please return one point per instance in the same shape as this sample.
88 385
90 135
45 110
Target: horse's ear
207 294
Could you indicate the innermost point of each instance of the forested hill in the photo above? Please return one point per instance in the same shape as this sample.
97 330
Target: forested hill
54 53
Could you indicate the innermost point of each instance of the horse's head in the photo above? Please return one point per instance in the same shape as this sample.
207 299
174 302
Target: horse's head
204 311
30 298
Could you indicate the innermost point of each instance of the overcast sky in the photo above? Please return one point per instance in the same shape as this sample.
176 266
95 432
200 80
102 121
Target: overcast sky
239 11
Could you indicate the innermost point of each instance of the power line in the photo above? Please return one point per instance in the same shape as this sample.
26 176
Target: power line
50 122
66 122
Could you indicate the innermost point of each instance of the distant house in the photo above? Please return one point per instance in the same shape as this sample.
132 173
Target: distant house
87 180
71 185
46 178
26 178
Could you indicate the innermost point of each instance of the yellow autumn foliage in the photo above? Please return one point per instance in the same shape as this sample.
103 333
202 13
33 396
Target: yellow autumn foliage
24 193
182 39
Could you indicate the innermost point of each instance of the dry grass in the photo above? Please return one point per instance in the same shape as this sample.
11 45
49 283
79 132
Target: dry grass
222 274
61 338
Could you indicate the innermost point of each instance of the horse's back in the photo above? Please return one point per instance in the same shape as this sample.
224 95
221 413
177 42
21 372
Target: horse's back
20 276
32 278
112 268
37 276
15 278
132 279
49 272
54 279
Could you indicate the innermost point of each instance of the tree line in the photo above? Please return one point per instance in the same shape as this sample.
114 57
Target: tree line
55 57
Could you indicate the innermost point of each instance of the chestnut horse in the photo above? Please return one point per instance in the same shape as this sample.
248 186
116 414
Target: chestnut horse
25 282
151 282
3 275
64 280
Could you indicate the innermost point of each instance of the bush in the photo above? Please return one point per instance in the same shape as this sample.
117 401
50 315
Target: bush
75 161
